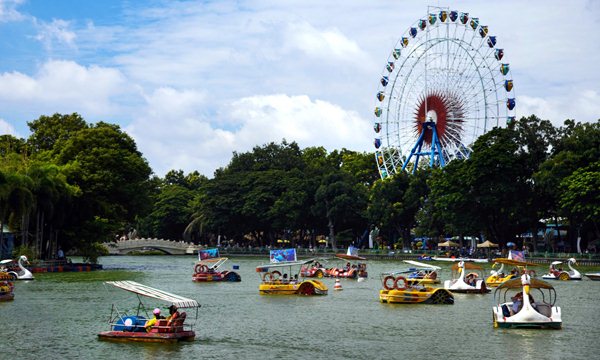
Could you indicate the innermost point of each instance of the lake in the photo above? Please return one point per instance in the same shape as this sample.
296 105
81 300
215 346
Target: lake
59 315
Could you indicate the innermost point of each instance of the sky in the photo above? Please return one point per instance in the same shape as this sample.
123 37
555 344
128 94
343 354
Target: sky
195 81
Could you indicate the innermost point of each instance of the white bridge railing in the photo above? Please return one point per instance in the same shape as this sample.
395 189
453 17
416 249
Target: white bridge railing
168 246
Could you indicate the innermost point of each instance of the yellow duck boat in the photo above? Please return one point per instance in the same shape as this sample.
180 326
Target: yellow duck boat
277 279
497 277
399 290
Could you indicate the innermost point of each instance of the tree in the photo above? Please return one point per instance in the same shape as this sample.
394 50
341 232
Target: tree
47 131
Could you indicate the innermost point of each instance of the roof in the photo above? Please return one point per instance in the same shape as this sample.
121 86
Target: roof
143 290
516 284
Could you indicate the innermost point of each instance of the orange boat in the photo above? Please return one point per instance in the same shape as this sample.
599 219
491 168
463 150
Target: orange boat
6 287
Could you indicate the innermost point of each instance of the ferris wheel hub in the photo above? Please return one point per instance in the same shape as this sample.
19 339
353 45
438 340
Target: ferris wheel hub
431 116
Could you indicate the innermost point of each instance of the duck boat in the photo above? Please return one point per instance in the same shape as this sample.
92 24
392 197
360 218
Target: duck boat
280 276
210 270
538 313
557 273
593 276
6 287
131 327
21 272
466 278
398 290
499 276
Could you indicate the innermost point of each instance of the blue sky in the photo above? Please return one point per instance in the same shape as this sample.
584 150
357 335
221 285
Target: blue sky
194 81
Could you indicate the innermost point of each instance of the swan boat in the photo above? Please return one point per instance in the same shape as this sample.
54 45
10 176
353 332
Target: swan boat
6 287
209 270
560 274
397 289
593 276
540 313
22 273
126 328
420 273
274 283
463 282
499 276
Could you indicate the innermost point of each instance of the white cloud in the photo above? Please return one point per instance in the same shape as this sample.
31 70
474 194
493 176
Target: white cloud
55 31
8 10
65 86
581 106
6 128
188 139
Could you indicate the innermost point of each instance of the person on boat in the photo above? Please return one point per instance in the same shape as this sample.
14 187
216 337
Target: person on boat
285 278
173 313
60 254
517 303
150 323
470 280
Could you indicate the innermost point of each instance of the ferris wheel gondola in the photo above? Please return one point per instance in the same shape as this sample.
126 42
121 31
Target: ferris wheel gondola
444 84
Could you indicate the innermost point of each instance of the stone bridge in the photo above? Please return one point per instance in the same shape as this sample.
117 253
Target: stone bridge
170 247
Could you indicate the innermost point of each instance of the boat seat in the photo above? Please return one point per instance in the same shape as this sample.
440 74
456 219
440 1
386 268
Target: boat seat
544 309
160 326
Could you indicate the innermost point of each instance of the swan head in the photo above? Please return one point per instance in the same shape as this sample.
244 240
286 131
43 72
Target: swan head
23 258
525 281
573 260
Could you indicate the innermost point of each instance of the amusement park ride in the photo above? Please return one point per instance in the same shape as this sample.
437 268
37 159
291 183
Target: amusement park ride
444 85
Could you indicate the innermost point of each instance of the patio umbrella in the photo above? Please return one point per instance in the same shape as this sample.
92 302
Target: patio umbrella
487 244
448 244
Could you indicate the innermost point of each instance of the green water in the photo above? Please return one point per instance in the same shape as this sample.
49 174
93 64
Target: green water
58 316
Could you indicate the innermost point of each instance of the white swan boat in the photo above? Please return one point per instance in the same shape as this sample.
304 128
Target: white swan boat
22 273
593 276
467 278
540 313
560 274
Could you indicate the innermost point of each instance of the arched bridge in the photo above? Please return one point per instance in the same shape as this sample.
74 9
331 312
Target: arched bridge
170 247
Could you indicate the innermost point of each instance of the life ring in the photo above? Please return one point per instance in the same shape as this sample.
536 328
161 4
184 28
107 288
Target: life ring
397 285
200 268
385 282
275 275
267 276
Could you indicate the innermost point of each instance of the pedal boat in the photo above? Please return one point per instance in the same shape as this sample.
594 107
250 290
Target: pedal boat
128 328
541 314
460 282
209 270
560 274
314 268
398 290
18 272
274 283
6 287
497 277
593 276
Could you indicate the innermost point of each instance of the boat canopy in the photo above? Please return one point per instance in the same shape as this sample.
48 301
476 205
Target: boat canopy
420 264
467 266
214 262
265 268
512 262
349 257
143 290
533 283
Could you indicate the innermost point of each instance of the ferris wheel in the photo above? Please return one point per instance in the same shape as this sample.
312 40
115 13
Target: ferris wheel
445 84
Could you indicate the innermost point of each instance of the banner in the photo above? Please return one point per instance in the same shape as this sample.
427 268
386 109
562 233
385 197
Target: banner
208 254
285 255
516 255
